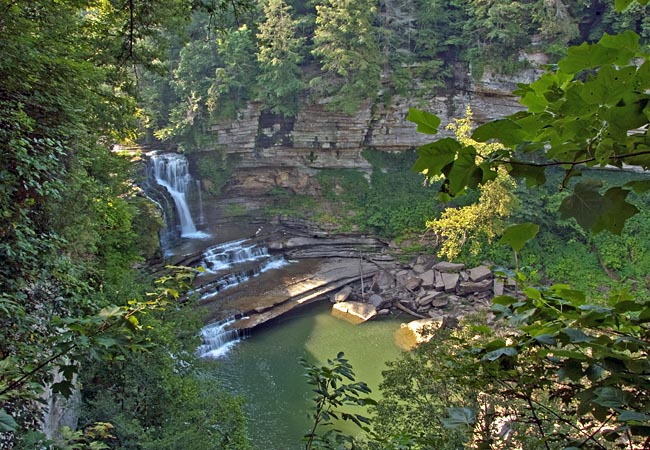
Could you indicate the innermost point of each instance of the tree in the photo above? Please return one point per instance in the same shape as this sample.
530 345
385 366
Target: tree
571 362
280 85
482 220
345 42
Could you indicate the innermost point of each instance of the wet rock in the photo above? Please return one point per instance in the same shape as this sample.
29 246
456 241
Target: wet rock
448 267
479 273
354 312
383 312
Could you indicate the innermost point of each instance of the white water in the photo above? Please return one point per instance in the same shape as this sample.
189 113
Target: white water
171 171
217 338
226 255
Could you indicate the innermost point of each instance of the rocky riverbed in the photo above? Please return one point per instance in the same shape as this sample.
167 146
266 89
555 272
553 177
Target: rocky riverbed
362 276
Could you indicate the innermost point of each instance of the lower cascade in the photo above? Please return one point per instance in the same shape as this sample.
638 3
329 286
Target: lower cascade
217 339
229 264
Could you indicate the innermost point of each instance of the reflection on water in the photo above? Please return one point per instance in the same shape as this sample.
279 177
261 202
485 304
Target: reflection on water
265 371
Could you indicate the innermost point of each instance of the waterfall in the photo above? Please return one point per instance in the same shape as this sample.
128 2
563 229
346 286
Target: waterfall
251 259
217 339
227 265
171 171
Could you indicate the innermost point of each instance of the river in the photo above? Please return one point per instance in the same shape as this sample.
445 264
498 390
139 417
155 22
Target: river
265 371
264 368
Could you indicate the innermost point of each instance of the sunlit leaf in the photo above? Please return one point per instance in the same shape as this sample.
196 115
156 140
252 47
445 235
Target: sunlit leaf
426 122
516 236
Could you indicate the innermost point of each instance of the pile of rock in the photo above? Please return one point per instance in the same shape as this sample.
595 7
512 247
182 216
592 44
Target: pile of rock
426 289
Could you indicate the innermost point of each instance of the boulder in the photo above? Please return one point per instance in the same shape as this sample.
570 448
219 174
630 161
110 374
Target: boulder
440 301
428 278
412 283
479 273
354 312
377 301
416 332
448 267
449 281
343 294
384 280
467 287
439 284
497 287
419 268
428 297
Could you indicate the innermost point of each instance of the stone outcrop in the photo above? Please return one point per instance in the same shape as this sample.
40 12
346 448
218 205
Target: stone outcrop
274 151
360 278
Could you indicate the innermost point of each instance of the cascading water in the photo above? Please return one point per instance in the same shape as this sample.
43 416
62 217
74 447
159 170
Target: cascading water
217 339
171 171
238 261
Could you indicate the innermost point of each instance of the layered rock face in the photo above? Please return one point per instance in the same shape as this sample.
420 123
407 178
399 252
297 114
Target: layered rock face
276 151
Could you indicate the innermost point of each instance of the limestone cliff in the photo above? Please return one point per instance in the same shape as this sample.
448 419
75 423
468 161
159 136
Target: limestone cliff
276 151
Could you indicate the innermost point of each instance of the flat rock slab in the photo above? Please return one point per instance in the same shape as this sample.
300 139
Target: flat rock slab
448 267
354 312
450 280
479 273
467 287
288 291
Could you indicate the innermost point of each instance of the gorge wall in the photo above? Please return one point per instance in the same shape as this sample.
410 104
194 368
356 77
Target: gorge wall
271 151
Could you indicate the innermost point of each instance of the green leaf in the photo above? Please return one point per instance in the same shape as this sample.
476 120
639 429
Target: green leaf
534 175
498 353
571 369
7 423
639 186
610 397
435 156
459 418
596 212
633 416
622 4
506 131
464 172
426 122
516 236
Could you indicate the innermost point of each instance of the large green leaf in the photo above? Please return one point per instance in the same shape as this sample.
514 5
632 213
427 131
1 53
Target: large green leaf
506 131
516 236
597 212
464 172
459 418
435 156
7 423
426 122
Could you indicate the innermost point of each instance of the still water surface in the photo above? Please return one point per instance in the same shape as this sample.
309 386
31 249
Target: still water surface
264 369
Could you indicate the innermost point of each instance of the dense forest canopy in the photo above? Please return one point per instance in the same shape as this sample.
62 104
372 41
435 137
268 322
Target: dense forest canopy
354 53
